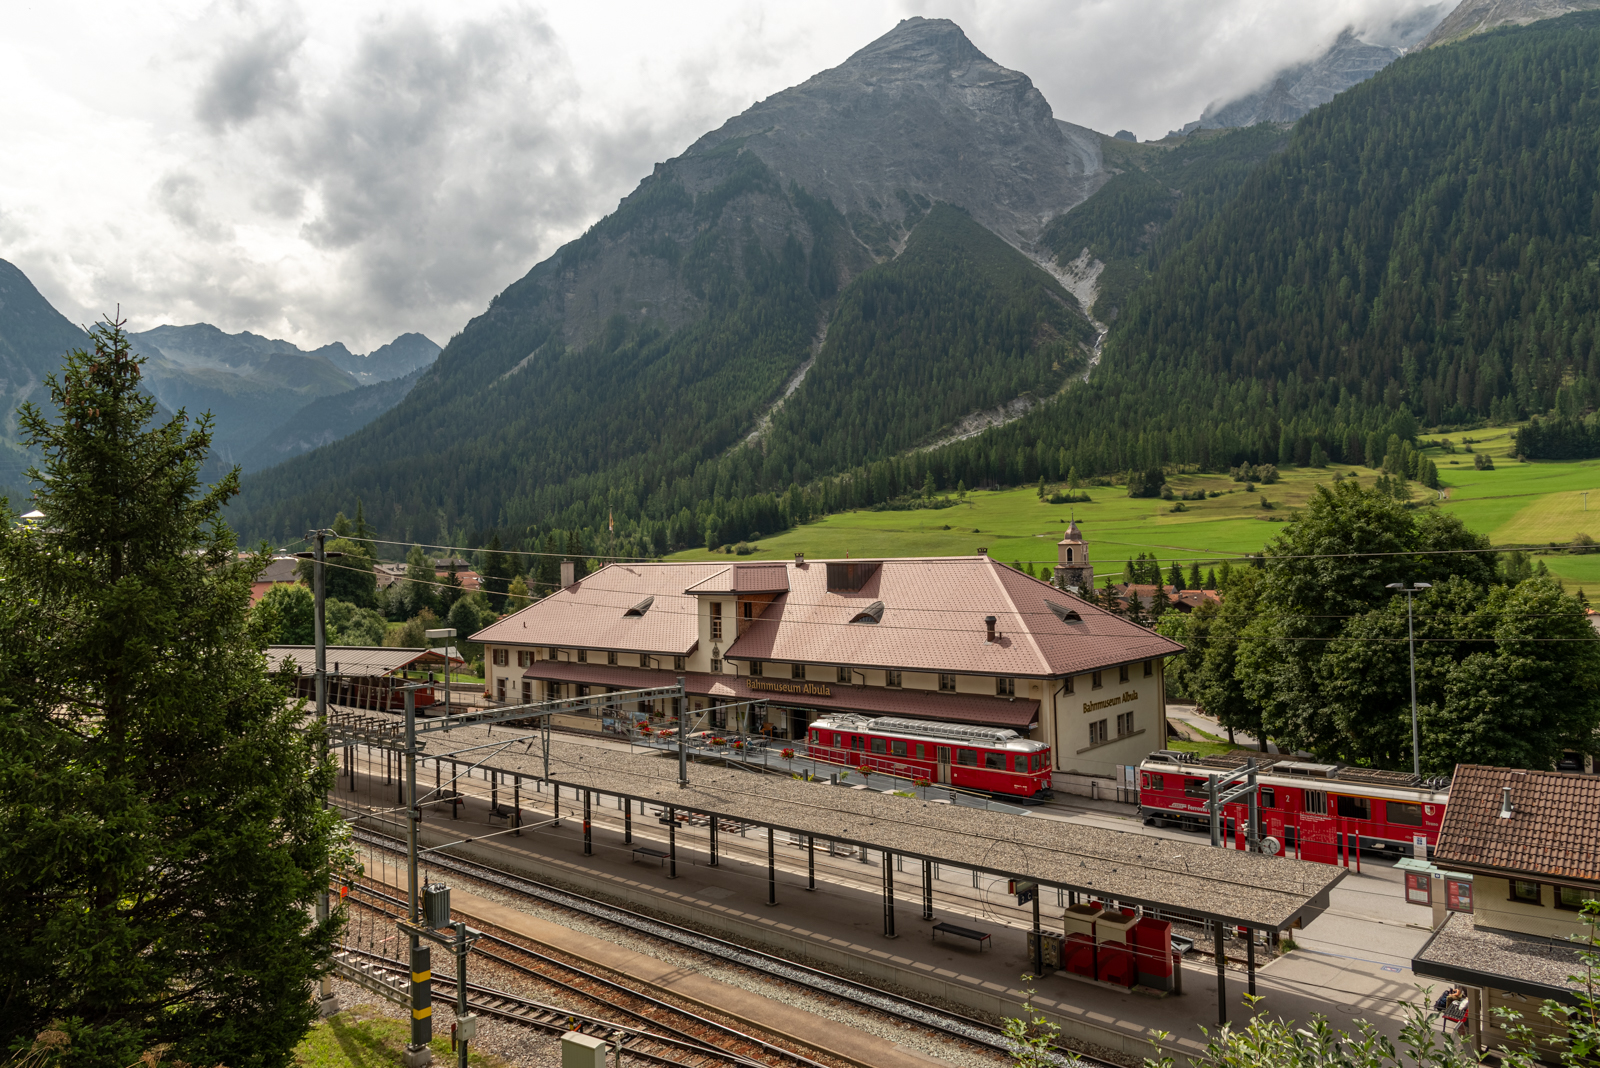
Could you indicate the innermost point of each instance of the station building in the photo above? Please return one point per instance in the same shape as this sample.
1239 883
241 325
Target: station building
957 639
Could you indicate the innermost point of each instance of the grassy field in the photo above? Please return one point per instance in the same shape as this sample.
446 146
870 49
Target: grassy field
1515 504
360 1038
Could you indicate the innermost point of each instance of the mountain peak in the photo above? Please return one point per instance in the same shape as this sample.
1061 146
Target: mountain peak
1480 16
918 45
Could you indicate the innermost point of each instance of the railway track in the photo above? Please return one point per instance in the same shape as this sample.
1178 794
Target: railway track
659 1030
901 1008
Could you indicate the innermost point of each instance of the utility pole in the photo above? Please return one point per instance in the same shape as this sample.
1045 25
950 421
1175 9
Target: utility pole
1411 640
327 1003
683 730
417 1054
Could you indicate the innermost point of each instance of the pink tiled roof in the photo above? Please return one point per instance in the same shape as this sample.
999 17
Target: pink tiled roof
873 700
592 612
933 620
1551 830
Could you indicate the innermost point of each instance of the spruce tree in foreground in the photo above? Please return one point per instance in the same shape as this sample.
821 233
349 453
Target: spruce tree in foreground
162 826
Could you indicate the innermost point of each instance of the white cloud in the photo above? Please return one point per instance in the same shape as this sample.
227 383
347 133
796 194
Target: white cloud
349 172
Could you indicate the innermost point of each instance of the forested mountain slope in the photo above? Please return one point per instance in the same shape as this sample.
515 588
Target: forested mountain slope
1423 251
623 373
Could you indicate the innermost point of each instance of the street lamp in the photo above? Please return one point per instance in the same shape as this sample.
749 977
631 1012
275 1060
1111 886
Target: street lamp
1411 639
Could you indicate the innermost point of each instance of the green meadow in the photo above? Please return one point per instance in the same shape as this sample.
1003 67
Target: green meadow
1516 505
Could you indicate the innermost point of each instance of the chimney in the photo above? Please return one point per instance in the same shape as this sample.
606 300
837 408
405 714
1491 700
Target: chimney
988 626
569 573
800 559
1506 807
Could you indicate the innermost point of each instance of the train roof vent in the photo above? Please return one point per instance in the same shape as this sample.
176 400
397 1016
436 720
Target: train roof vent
844 721
641 608
1306 768
1063 613
957 731
1171 756
1377 777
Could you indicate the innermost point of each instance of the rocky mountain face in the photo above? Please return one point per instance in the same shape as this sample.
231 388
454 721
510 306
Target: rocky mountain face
919 115
398 359
1350 60
1479 16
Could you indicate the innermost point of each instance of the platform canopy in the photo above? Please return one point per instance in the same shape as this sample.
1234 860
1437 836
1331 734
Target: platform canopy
1233 888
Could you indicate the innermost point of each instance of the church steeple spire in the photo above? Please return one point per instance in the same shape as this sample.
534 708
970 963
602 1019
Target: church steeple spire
1073 570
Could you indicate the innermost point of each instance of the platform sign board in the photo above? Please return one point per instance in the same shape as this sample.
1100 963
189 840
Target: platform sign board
1457 894
1025 891
1419 888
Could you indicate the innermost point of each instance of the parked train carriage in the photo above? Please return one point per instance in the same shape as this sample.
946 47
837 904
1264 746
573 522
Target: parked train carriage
1310 808
991 760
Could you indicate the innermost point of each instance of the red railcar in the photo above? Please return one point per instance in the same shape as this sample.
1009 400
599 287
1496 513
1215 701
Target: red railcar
992 760
1313 810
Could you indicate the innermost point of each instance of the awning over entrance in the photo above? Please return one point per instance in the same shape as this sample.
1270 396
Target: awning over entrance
1019 715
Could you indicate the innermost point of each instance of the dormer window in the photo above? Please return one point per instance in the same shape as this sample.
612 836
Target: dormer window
892 677
1005 687
1063 613
641 608
873 613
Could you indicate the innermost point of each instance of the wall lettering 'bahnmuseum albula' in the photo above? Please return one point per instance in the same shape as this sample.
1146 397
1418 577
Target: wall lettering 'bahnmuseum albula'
955 639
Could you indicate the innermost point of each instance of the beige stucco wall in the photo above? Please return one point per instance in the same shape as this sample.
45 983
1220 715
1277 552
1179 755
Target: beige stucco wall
1492 907
1068 722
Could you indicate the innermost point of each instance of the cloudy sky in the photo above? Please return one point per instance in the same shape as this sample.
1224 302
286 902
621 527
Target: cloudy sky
347 172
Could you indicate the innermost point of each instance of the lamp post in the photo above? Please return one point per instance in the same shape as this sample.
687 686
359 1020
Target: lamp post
1411 640
444 633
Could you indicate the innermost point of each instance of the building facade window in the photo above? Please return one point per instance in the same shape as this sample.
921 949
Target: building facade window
797 671
583 656
1124 724
501 658
756 668
716 666
1005 687
716 621
1573 897
644 660
524 658
611 659
680 663
1524 891
749 610
947 683
891 677
1122 673
1066 686
1149 668
1094 681
552 653
1097 732
841 675
500 688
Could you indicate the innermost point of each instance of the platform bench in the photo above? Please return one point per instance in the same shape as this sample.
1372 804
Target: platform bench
979 937
653 854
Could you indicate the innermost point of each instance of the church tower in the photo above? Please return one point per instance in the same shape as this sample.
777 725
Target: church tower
1073 570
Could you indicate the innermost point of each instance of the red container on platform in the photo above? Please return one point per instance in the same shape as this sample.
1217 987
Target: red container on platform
1116 964
1077 955
1152 947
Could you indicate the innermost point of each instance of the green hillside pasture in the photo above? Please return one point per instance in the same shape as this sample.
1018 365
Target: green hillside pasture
1516 504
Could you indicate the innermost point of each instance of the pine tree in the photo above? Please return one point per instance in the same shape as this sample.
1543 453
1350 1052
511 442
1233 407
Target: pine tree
575 553
496 575
1175 576
1195 581
1211 578
164 834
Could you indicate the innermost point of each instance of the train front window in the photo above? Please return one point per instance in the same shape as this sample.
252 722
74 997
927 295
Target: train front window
898 748
1405 813
995 760
878 745
969 757
1354 808
1154 782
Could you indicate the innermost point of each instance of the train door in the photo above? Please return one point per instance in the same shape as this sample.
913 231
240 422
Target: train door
944 765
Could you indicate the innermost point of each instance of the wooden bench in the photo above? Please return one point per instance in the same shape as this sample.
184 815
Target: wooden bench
504 812
979 937
652 853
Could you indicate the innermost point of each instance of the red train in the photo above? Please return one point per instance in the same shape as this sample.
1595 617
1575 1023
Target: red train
991 760
1310 810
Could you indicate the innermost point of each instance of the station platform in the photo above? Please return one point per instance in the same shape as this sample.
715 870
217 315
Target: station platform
840 924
